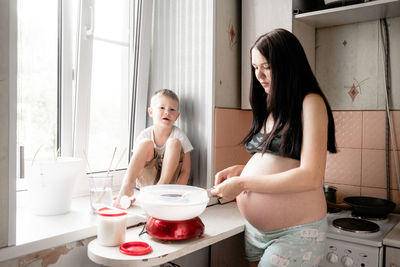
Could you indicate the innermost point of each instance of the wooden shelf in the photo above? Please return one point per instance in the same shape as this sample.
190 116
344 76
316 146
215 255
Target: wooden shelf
372 10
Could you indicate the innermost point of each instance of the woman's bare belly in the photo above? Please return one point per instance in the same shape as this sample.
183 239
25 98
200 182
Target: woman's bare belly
269 212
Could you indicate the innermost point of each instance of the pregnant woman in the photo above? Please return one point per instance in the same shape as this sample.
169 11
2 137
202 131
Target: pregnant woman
280 189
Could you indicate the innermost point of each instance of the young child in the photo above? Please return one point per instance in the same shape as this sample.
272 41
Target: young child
161 153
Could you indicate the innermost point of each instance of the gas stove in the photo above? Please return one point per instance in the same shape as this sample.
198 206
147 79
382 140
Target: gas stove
356 241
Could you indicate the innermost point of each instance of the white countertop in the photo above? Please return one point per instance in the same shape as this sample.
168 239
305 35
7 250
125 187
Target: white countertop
392 239
220 222
36 233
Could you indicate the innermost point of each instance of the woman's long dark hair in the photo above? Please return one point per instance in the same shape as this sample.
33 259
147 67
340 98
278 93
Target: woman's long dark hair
291 80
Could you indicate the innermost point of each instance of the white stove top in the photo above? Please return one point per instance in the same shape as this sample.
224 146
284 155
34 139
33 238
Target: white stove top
371 239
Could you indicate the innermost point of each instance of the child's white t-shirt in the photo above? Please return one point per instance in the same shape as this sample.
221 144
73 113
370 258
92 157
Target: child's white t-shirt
147 134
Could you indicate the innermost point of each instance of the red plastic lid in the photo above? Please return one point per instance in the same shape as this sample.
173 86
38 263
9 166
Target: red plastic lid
108 212
136 248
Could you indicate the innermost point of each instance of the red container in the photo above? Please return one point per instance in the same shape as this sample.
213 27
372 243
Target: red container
174 230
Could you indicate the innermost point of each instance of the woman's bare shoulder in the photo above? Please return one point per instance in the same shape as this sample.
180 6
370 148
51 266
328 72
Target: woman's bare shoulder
313 98
314 107
313 102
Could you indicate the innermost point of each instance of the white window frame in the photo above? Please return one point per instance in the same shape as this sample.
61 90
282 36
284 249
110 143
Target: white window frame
12 173
67 81
143 51
74 126
138 80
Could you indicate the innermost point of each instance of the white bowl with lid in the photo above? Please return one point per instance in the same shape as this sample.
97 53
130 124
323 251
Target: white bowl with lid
173 202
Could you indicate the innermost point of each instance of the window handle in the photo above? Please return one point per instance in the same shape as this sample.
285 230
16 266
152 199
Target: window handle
21 162
89 29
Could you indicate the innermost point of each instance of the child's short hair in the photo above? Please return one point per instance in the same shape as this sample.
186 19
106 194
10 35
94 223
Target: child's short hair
165 92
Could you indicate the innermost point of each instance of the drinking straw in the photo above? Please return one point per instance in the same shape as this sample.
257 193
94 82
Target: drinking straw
108 171
34 157
92 184
119 160
105 182
87 161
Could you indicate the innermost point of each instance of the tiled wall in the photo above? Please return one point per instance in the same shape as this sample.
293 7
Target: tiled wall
359 168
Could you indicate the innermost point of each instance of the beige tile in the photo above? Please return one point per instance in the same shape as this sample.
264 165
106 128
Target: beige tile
348 128
228 156
231 126
395 115
345 191
393 176
373 192
344 167
373 173
373 129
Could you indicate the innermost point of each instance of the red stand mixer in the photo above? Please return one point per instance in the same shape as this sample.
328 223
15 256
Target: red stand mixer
174 230
173 211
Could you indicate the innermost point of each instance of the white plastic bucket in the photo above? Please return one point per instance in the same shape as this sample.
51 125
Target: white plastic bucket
51 184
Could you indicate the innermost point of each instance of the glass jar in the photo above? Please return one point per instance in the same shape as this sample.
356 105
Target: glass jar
111 226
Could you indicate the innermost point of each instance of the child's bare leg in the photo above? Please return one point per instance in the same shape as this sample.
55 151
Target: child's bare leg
171 160
142 154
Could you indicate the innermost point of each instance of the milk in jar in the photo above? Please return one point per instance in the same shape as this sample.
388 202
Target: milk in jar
111 226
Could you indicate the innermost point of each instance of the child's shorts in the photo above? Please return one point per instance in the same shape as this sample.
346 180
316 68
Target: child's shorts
151 172
301 245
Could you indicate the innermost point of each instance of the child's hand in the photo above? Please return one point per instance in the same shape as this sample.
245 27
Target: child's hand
124 202
126 190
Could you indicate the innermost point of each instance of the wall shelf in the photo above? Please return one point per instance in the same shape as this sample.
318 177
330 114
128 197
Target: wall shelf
372 10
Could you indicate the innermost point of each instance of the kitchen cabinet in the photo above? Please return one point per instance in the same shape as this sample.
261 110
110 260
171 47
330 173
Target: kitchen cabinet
372 10
392 247
392 258
259 18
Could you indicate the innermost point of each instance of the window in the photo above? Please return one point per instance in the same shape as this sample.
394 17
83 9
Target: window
37 77
103 83
77 74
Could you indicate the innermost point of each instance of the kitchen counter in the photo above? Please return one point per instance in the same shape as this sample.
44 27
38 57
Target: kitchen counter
221 221
392 239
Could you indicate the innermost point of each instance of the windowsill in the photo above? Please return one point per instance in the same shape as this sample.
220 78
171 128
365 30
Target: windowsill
35 233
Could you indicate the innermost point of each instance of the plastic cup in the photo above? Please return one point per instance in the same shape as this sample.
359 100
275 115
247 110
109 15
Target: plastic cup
111 226
100 191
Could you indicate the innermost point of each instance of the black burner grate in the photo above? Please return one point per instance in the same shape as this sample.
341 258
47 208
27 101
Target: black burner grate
333 210
356 225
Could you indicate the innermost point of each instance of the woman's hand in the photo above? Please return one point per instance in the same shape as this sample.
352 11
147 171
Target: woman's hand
227 173
227 182
229 188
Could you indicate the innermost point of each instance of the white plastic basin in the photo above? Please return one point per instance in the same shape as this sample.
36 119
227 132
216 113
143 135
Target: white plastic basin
51 184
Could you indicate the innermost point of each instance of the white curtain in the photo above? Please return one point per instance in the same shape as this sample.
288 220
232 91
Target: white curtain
182 60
